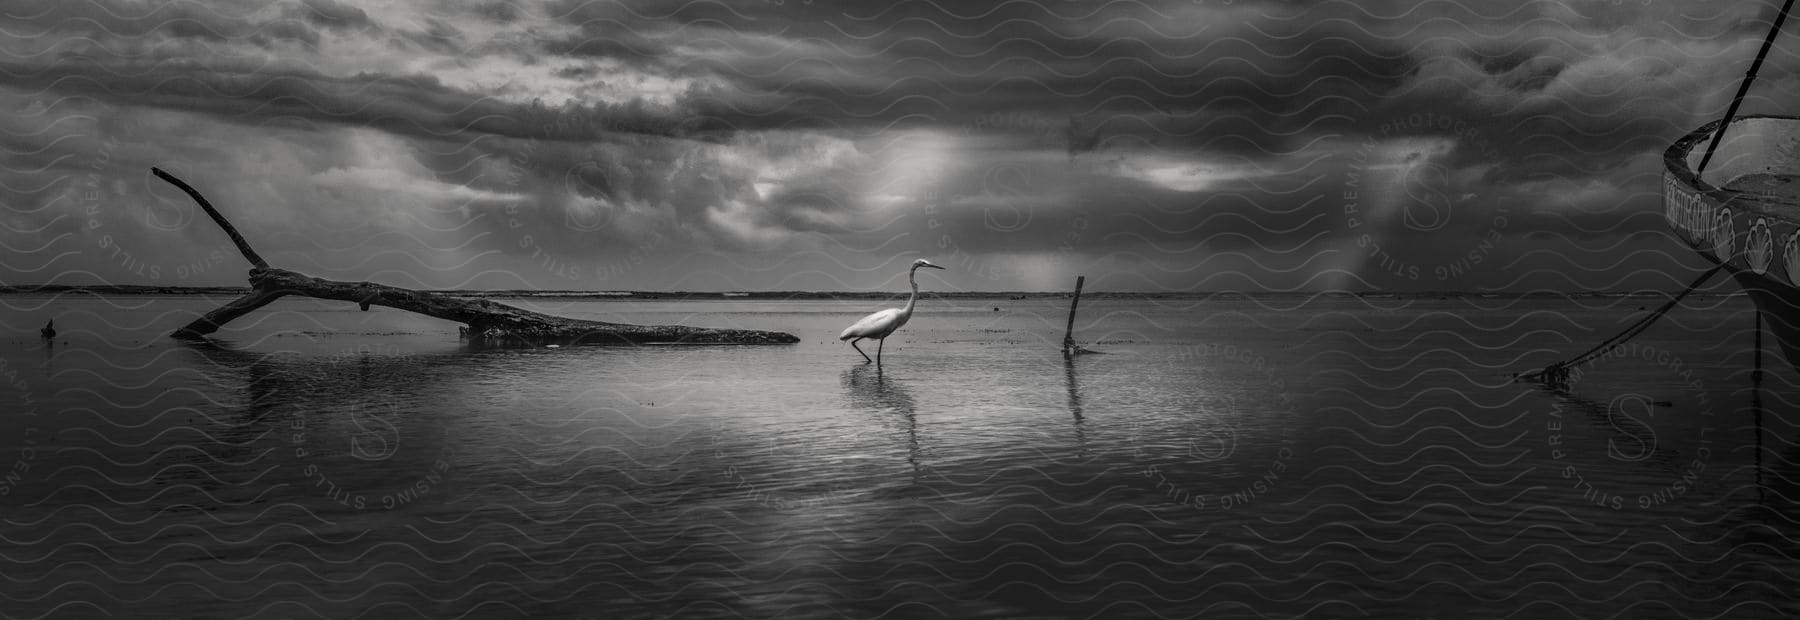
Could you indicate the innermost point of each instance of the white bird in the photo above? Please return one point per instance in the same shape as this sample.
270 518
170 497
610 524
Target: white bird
880 324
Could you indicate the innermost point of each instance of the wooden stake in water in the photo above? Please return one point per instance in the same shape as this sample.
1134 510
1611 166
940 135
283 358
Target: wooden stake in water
1069 348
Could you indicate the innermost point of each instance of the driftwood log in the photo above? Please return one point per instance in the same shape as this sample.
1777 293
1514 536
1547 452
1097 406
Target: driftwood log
488 322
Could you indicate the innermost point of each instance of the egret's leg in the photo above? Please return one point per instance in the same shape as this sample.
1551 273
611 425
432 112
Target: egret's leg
860 351
878 351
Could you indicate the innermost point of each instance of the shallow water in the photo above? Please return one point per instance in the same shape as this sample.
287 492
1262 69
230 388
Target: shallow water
1231 456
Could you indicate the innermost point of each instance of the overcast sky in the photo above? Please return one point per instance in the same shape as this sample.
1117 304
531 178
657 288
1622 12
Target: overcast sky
1151 145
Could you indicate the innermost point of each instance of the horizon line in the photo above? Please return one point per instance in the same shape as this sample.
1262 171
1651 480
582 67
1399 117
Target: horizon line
152 289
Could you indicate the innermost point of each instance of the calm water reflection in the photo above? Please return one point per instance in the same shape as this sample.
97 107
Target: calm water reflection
1226 457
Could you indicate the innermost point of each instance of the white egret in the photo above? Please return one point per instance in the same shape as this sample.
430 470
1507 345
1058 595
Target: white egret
880 324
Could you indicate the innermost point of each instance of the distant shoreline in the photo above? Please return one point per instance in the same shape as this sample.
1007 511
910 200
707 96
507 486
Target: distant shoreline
790 295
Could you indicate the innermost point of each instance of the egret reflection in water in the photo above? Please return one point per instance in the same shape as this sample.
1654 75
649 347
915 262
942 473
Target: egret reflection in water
869 389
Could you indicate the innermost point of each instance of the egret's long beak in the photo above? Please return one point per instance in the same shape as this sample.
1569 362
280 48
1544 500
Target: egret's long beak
931 266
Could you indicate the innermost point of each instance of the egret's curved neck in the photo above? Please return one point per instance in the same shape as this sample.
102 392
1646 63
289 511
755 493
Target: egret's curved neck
912 277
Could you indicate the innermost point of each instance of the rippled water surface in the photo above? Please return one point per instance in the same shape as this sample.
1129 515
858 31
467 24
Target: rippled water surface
1230 456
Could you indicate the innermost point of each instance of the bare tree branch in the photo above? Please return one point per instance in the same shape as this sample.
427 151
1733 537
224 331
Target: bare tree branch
488 321
242 245
224 314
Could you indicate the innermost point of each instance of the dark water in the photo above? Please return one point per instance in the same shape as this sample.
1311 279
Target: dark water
1230 457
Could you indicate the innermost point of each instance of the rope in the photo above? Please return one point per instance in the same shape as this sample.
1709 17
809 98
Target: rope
1744 86
1557 374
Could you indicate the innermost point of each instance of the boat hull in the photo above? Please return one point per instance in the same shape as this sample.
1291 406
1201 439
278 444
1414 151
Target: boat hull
1744 211
1780 309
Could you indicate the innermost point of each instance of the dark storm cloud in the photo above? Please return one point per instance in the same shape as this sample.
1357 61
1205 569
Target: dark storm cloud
250 88
333 14
573 199
416 105
107 24
1157 71
1591 79
1169 129
1017 206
